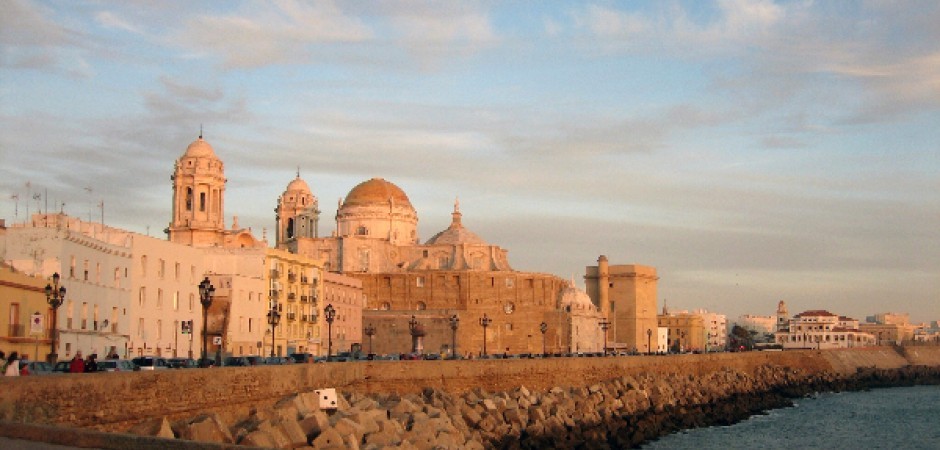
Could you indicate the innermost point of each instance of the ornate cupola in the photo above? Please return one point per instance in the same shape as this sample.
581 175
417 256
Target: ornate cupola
198 197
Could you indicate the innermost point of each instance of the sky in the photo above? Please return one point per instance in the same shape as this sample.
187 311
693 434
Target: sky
751 151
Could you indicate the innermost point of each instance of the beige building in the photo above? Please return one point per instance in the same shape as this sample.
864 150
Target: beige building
626 295
685 332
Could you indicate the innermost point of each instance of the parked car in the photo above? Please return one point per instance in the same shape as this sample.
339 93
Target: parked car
302 357
35 368
278 360
116 365
255 360
62 367
150 363
182 363
236 361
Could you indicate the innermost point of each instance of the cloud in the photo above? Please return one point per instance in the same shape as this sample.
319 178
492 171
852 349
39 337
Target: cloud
31 39
260 36
109 19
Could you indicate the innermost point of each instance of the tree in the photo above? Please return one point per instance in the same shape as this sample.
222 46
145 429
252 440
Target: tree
740 339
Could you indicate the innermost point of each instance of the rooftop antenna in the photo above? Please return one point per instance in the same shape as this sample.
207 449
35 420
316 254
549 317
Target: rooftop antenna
200 131
298 171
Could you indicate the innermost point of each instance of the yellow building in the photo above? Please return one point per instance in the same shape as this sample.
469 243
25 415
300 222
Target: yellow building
684 332
24 327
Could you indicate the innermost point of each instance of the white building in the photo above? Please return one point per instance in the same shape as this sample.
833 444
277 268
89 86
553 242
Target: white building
820 329
716 330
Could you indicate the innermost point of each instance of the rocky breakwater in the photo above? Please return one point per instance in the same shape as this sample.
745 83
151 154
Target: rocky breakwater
618 413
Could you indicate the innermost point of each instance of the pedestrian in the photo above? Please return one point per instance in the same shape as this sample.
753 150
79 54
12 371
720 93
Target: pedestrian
78 364
13 365
90 364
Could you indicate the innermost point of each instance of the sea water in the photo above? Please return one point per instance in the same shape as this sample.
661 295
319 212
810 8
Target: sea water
893 418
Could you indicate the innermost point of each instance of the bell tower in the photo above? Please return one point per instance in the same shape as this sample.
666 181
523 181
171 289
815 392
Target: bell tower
198 197
298 214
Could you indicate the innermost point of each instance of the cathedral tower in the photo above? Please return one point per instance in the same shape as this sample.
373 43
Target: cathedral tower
198 197
298 214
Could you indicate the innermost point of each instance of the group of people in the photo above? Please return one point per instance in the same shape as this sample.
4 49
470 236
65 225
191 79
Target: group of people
10 366
79 365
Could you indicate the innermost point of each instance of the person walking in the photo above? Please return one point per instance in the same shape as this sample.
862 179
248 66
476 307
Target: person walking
78 364
13 365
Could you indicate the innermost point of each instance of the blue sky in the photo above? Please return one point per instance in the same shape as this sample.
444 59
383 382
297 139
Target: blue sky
753 151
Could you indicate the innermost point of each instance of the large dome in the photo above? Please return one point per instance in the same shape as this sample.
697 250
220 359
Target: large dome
575 298
377 191
199 149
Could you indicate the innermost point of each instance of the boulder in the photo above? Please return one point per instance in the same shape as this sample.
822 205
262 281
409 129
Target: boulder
204 428
153 427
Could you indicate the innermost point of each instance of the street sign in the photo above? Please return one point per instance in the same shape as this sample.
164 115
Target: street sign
35 324
217 340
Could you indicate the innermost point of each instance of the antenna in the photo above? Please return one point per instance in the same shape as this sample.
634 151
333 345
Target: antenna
200 131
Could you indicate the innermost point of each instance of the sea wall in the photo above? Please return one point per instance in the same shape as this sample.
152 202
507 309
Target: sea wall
119 401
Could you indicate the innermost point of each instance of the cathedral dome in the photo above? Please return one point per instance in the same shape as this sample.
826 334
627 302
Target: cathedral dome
377 192
298 184
199 149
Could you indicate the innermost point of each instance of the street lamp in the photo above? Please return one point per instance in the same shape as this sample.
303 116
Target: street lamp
485 322
55 295
274 317
454 322
605 324
649 341
206 291
543 327
330 314
369 331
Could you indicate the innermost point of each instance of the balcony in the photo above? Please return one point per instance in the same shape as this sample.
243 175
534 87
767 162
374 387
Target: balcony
291 277
16 330
304 279
275 294
291 296
290 316
275 274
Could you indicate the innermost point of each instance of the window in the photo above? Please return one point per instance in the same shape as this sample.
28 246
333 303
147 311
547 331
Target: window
84 315
142 297
176 301
177 271
161 268
202 201
140 327
143 266
159 329
68 311
72 268
192 302
509 282
419 281
361 230
189 199
117 277
159 298
421 306
85 268
386 306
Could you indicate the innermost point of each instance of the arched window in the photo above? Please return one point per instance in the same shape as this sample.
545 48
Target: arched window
202 201
189 199
421 306
290 228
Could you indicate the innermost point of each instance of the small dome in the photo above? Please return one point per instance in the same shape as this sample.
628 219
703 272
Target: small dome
199 149
298 184
456 233
576 298
376 192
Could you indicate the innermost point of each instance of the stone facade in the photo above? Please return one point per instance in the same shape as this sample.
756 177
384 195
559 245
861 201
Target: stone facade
626 295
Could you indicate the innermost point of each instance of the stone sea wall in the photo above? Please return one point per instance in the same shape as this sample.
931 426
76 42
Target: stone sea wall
503 404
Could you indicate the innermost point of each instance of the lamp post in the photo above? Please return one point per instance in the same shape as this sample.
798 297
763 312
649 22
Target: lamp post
485 322
206 291
649 341
543 327
330 314
274 318
369 331
605 324
55 295
454 322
